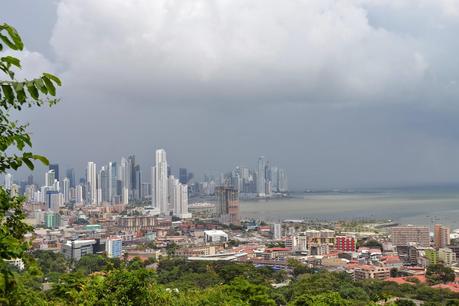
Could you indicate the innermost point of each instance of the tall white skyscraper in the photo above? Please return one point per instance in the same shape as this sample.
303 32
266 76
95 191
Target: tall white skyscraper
181 201
159 183
8 181
91 177
112 178
261 177
50 176
66 189
79 194
124 176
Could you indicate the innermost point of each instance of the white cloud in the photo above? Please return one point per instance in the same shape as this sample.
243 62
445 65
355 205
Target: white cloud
287 50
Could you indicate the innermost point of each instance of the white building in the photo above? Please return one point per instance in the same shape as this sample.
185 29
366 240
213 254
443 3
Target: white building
125 177
277 231
180 200
91 176
50 177
113 247
215 236
159 183
261 177
66 189
8 181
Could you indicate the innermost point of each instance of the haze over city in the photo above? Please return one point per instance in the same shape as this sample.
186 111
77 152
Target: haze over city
355 93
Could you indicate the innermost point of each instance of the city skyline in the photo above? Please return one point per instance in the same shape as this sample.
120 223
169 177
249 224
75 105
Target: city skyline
302 96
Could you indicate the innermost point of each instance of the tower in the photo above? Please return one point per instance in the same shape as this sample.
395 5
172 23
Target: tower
91 178
160 182
261 177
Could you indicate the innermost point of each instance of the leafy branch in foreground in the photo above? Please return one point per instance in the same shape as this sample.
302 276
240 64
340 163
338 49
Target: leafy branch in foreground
14 141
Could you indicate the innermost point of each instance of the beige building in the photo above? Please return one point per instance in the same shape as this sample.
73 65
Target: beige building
371 272
441 236
447 256
403 235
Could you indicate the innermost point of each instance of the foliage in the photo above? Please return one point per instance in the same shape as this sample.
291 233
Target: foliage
438 273
51 264
180 282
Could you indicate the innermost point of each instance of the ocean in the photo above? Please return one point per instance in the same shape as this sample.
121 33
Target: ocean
415 205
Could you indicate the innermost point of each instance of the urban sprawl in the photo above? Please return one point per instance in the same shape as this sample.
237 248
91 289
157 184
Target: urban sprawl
115 211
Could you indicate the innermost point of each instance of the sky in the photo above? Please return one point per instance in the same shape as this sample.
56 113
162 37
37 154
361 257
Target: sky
354 93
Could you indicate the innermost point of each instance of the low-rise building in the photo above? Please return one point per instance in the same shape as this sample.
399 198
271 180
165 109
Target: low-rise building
215 236
75 249
362 272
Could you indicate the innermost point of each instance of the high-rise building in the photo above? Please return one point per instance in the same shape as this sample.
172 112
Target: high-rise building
66 189
137 183
70 173
277 231
55 167
183 175
261 177
79 198
52 219
113 246
91 178
132 176
345 243
159 184
50 177
8 181
178 197
441 236
30 180
227 207
282 180
403 235
52 200
103 179
125 178
112 181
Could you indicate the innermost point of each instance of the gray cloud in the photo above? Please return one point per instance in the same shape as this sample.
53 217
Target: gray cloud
341 93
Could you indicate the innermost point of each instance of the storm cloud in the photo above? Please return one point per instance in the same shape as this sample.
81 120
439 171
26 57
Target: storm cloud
340 93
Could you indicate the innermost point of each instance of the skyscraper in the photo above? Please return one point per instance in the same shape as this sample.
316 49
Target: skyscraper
91 179
261 177
30 180
66 189
132 177
282 180
137 183
8 181
160 195
183 176
112 178
103 185
55 167
50 176
70 173
125 178
441 236
227 207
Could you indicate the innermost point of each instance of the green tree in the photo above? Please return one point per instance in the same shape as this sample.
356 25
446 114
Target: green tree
438 273
14 143
171 248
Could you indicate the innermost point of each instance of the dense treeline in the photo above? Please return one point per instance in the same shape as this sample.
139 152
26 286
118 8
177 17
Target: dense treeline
49 279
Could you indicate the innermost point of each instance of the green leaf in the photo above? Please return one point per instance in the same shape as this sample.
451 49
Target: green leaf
8 92
54 78
32 90
16 42
28 163
43 159
49 85
40 84
11 60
